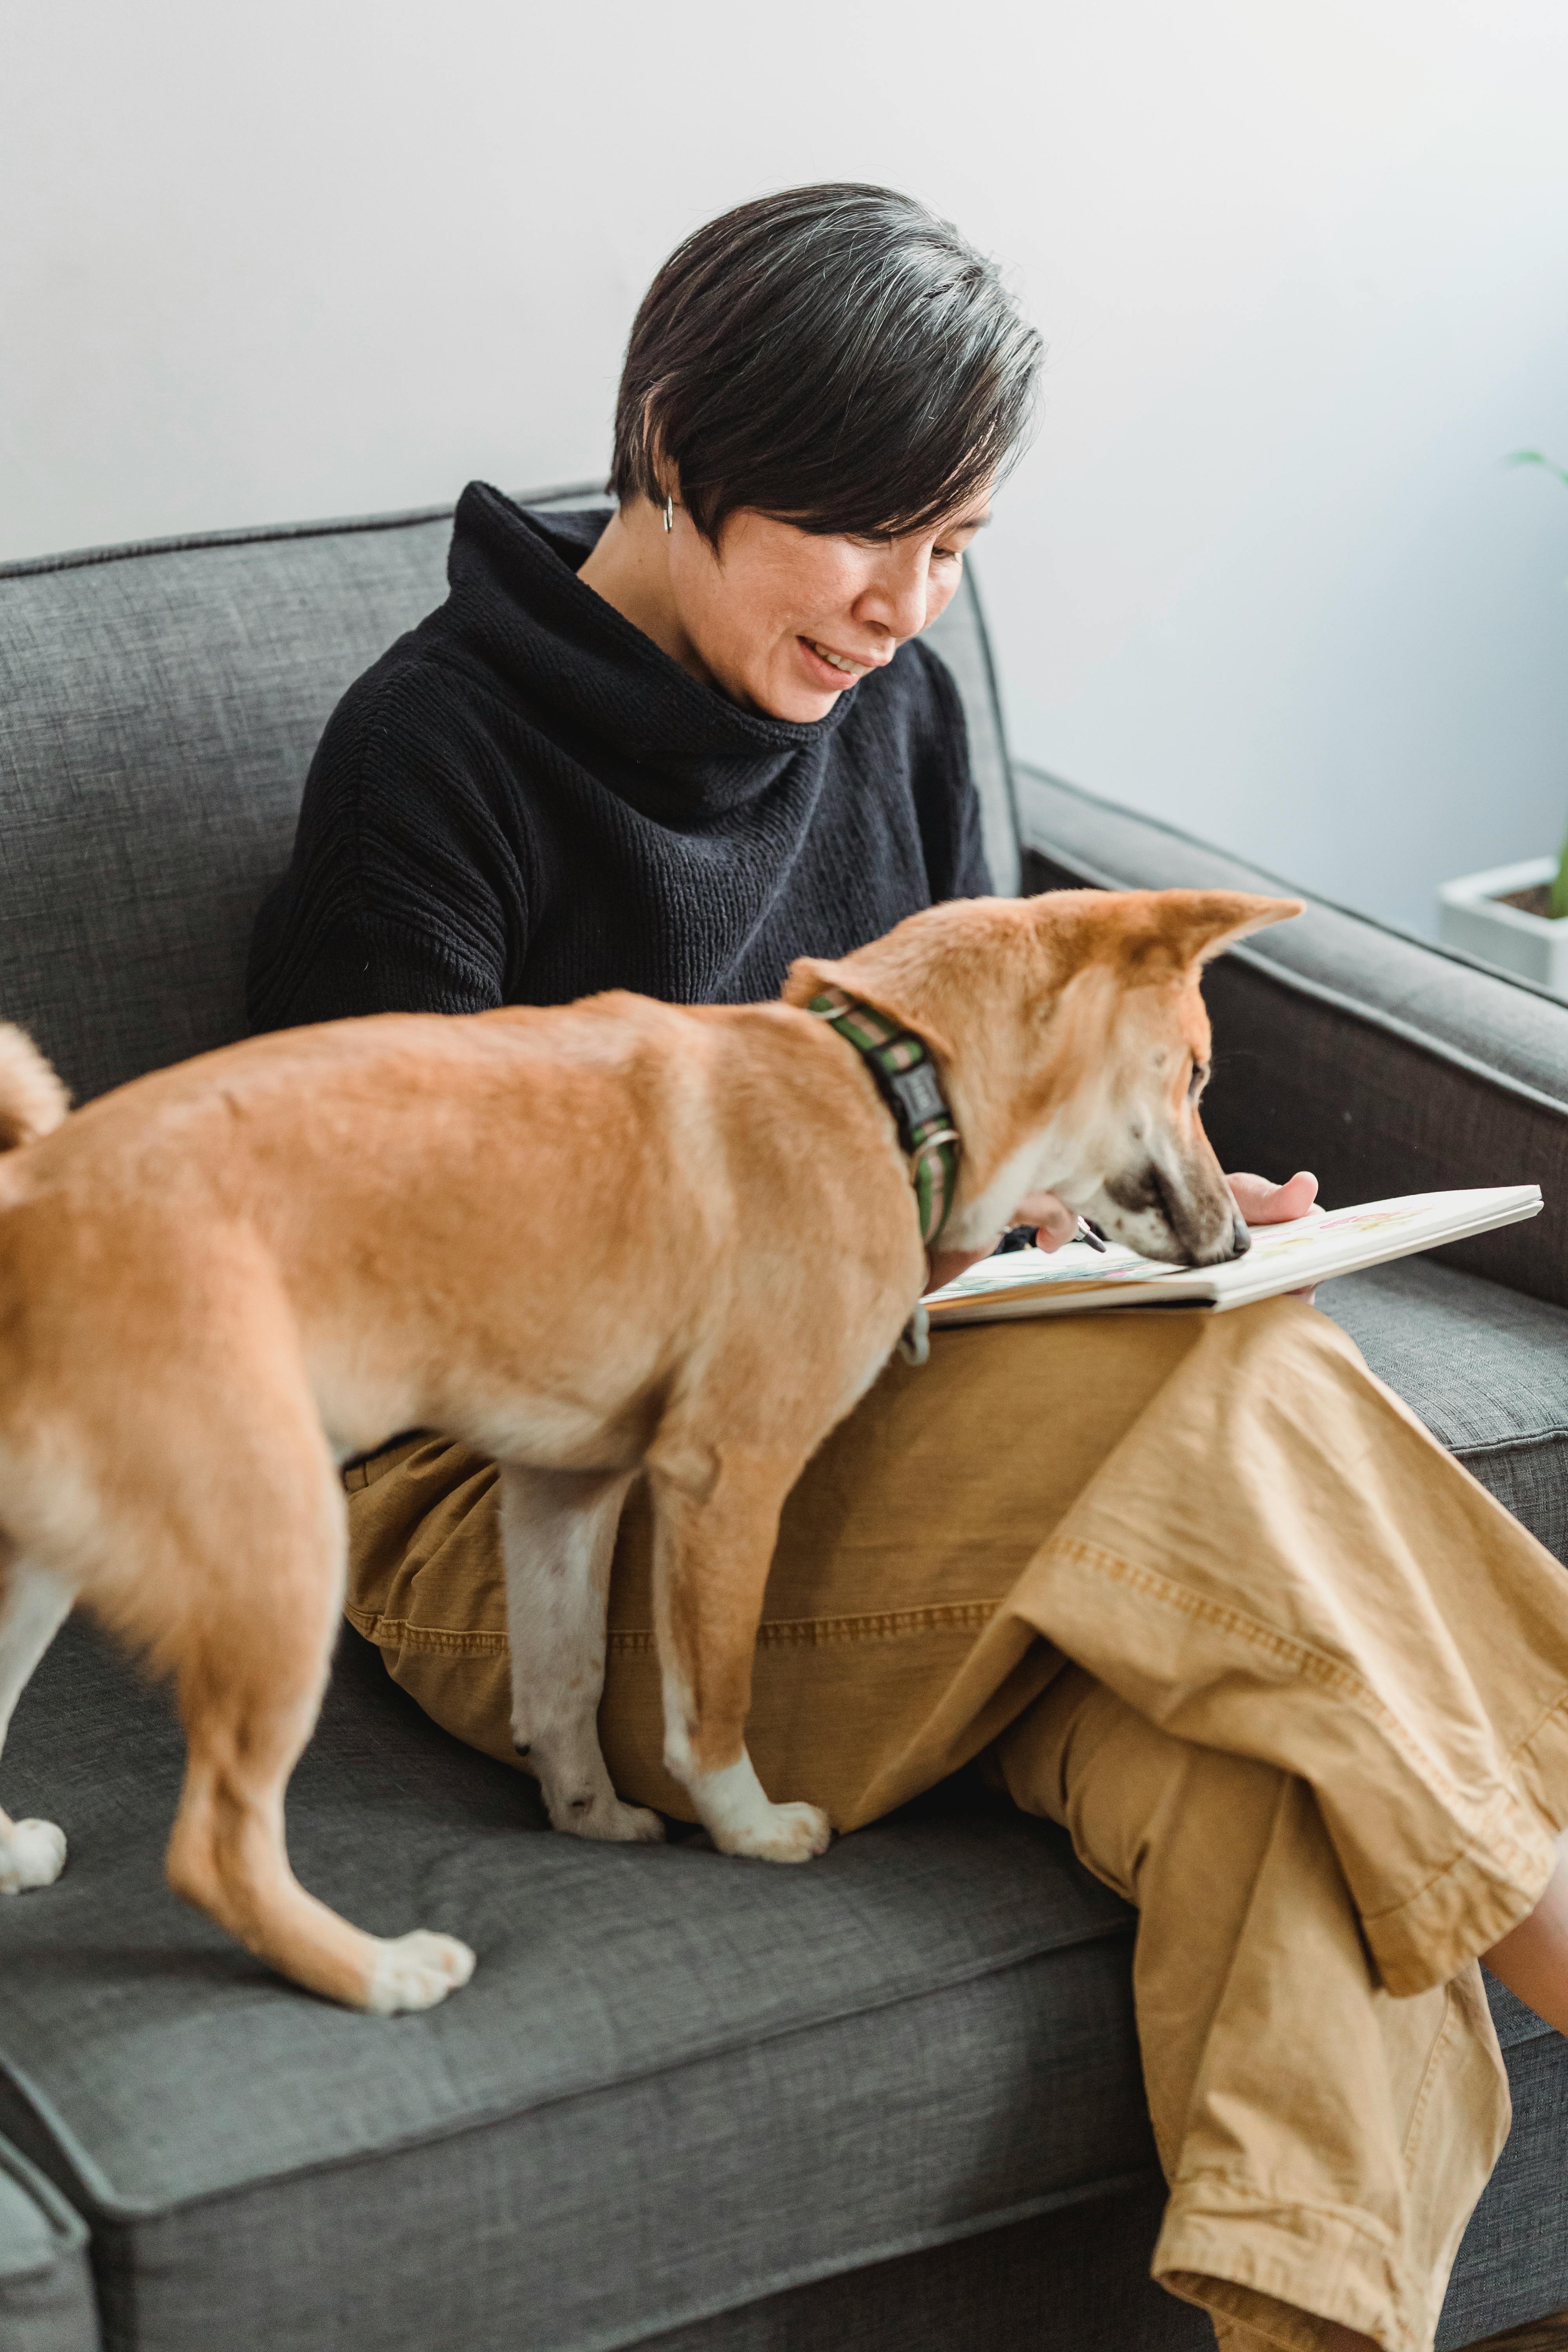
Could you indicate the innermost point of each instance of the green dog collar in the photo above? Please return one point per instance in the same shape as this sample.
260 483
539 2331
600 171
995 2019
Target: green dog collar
907 1080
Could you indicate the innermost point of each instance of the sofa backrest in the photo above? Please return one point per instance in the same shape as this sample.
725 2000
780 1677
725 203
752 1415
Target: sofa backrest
159 707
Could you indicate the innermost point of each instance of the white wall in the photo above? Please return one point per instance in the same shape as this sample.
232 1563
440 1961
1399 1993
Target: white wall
1301 266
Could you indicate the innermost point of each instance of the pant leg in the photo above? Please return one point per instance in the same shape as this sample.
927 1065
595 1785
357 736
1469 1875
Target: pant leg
887 1654
1324 2142
1278 1560
1225 1517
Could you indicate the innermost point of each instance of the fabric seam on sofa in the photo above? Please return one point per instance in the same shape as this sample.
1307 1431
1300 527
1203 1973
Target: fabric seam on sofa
1507 1444
68 2230
993 686
1390 1026
1373 1017
75 558
781 2282
1292 889
97 2192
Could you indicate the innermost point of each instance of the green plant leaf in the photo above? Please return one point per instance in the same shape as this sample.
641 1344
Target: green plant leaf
1537 457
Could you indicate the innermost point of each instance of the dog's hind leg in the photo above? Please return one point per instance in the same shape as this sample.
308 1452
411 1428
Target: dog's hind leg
251 1646
558 1530
34 1604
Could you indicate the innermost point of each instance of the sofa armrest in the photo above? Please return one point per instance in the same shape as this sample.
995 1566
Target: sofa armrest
47 2301
1386 1065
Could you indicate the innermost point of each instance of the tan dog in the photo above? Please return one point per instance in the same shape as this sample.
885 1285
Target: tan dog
612 1239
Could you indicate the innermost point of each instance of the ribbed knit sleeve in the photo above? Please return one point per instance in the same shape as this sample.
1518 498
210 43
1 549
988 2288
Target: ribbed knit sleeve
405 893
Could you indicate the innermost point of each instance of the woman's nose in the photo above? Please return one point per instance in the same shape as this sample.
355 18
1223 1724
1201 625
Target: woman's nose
895 600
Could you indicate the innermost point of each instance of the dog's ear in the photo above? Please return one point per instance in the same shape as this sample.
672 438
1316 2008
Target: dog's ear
809 975
865 978
883 974
1194 926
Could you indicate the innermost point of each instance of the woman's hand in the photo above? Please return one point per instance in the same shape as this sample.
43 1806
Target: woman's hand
1259 1202
1263 1203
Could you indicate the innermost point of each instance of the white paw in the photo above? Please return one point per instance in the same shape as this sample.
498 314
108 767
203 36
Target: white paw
784 1833
734 1810
625 1824
32 1855
416 1971
606 1817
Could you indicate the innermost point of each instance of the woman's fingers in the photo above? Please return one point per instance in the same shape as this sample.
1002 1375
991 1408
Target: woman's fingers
1264 1204
943 1266
1053 1220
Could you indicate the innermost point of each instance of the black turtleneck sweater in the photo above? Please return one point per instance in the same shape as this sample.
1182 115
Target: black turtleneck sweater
525 800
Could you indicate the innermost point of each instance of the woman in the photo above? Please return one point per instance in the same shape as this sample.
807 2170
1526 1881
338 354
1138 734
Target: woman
1315 1724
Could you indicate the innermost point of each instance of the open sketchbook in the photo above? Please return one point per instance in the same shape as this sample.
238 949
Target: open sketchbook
1075 1279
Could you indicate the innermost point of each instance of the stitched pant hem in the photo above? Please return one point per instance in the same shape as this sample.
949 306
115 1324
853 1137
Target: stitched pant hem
1287 2271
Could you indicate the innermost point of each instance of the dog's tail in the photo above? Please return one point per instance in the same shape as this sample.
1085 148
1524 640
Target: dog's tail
33 1100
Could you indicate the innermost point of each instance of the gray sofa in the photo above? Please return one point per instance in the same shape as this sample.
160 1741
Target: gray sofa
892 2101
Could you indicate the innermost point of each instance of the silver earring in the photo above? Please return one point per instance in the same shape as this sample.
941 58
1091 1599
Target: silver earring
668 512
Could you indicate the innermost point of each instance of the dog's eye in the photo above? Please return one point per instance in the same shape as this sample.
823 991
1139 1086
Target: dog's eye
1197 1081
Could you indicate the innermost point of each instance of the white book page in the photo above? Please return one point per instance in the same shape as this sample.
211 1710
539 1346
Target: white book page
1337 1240
1075 1262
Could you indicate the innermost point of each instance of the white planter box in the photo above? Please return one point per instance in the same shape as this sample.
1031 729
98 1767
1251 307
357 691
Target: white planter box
1470 917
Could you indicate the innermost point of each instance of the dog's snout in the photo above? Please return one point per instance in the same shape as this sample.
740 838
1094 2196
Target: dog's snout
1179 1212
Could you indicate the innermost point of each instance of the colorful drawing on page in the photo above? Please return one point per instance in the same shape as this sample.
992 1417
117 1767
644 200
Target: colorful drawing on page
1342 1223
1075 1265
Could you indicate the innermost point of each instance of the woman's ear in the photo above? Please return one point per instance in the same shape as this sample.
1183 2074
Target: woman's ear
662 470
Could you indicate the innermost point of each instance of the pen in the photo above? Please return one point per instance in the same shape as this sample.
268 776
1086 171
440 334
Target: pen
1090 1234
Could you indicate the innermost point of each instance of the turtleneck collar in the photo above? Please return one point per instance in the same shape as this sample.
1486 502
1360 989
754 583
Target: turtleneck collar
516 600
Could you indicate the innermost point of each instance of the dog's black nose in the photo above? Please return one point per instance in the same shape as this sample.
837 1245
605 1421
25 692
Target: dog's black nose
1241 1239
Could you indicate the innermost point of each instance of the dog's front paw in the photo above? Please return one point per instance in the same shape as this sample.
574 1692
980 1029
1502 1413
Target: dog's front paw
584 1805
416 1971
781 1834
606 1817
33 1855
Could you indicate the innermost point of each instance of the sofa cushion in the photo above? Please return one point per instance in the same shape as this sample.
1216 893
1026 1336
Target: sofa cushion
159 707
1487 1369
46 2288
678 2087
675 2084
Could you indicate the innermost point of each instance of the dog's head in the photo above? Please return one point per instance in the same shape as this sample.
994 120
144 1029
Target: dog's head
1074 1045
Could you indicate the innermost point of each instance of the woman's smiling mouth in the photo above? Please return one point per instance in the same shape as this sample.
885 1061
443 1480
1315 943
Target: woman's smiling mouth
843 665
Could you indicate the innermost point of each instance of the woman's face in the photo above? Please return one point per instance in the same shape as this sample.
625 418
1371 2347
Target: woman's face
785 621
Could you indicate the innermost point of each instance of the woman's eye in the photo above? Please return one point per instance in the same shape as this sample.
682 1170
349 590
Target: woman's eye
946 554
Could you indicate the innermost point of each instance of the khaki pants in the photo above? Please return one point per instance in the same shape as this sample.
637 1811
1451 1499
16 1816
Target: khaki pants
1316 1728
